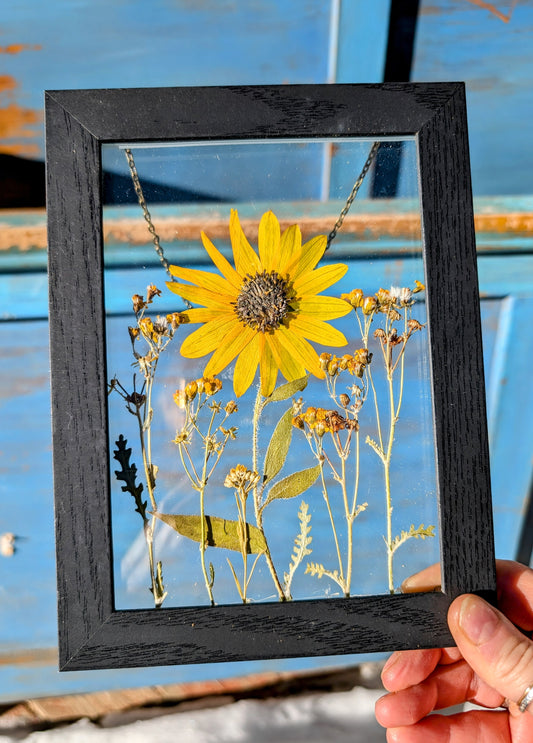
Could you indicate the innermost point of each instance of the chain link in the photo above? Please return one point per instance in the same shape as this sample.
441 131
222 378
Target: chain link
146 213
356 186
155 237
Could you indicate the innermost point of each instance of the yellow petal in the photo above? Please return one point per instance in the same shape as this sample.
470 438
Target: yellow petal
326 308
316 281
317 331
205 339
202 314
290 248
312 252
246 366
245 258
286 361
199 295
223 265
269 368
296 346
269 235
229 347
205 279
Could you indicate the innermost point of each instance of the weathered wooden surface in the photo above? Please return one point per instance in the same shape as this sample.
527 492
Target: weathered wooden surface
485 44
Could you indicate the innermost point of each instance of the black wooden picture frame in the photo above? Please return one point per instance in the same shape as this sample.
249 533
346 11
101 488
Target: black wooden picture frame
92 632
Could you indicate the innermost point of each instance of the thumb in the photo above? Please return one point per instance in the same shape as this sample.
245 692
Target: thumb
498 652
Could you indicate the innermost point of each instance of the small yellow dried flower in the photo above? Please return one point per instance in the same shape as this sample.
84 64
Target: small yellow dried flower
323 360
181 436
180 398
134 333
310 415
231 407
241 478
344 400
175 319
138 303
369 305
147 327
298 422
413 325
384 297
212 385
151 292
355 297
190 390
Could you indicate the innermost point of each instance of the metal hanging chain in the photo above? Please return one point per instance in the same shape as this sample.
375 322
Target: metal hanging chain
356 186
155 236
146 213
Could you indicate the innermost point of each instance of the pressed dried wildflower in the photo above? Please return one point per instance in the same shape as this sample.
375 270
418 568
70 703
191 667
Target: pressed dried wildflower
231 407
401 295
151 292
264 310
369 305
190 390
211 385
138 303
241 478
355 297
344 400
180 398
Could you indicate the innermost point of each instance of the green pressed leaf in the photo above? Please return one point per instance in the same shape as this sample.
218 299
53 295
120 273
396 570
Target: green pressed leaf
284 391
278 447
218 532
293 485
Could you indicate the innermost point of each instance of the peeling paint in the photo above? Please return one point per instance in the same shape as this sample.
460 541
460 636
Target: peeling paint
491 7
18 48
15 120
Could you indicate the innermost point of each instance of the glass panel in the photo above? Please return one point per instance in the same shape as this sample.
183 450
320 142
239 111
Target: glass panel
256 491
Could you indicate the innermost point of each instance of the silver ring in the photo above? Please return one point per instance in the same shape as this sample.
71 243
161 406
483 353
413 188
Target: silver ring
526 699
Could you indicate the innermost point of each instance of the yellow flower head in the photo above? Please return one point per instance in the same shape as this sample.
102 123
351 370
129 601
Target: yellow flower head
264 310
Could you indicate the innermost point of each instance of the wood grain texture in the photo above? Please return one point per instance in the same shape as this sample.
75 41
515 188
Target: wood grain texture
92 633
456 351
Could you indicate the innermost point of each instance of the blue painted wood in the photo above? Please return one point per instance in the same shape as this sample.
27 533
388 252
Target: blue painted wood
141 44
510 420
458 40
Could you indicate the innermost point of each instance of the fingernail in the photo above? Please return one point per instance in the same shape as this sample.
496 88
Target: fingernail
391 661
478 620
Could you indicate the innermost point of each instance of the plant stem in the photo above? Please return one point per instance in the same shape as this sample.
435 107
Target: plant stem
332 520
258 409
202 485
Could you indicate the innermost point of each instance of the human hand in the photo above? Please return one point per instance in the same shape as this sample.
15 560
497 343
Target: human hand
492 663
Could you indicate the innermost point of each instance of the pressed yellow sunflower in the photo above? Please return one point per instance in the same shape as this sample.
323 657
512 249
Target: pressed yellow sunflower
263 310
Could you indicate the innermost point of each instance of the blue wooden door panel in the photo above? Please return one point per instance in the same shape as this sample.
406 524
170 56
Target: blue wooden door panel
107 44
488 45
510 420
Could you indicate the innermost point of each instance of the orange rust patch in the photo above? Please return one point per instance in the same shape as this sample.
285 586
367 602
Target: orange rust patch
361 227
14 120
18 48
491 7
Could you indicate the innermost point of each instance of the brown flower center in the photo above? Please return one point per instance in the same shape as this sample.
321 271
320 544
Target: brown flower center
263 301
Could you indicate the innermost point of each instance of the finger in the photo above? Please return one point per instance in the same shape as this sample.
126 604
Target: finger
446 687
406 668
498 652
426 580
515 589
475 725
